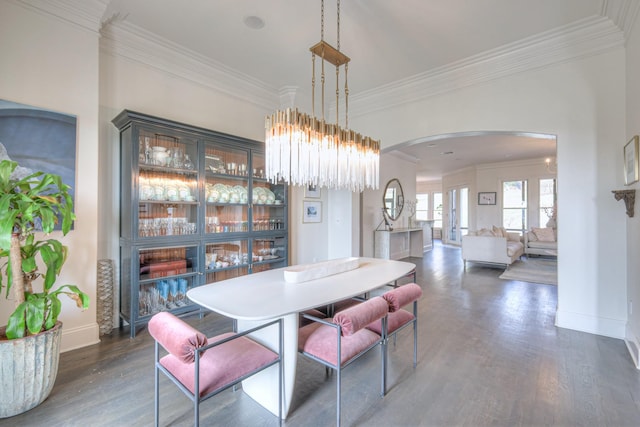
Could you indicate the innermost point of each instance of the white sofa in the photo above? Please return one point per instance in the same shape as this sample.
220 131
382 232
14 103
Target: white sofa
541 241
488 246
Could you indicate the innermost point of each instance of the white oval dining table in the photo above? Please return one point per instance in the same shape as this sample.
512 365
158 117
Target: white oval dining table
257 298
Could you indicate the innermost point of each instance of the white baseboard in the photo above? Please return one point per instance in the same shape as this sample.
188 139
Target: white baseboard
633 345
594 325
73 338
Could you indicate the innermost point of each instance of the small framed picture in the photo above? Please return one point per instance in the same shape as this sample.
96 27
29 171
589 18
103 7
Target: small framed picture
312 192
631 161
311 212
487 198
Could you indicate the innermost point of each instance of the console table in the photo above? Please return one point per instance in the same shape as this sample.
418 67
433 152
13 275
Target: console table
399 243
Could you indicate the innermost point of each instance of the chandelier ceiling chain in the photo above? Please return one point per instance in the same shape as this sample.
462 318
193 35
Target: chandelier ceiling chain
303 150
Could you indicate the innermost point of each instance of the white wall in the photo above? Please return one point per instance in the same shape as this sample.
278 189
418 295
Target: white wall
429 187
489 178
582 102
344 222
309 242
390 167
337 236
632 335
52 63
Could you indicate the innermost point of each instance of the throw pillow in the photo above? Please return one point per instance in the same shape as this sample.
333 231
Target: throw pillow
513 237
531 236
544 234
499 231
485 232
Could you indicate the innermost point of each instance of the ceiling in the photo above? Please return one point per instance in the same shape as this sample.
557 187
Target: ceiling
387 41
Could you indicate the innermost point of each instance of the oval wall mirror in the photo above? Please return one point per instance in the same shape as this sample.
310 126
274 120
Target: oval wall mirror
393 199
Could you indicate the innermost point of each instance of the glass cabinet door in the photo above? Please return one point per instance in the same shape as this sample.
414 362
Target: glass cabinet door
269 201
167 185
226 190
165 274
226 260
268 253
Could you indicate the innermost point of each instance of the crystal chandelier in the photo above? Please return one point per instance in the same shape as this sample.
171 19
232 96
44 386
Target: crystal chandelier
304 150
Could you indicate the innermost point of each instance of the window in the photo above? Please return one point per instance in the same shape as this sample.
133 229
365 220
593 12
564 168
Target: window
437 210
422 207
514 206
547 200
464 211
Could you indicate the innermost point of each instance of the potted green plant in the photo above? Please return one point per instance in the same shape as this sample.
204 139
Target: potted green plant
28 205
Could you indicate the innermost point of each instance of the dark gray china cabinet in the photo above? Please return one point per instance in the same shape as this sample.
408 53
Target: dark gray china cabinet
195 209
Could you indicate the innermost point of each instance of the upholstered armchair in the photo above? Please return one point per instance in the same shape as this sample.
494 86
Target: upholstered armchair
337 342
202 367
399 318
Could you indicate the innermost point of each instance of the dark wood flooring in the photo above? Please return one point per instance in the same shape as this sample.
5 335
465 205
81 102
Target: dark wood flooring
489 355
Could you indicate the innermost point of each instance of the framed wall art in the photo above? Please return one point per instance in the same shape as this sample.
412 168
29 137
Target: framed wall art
312 192
311 212
631 161
487 198
39 140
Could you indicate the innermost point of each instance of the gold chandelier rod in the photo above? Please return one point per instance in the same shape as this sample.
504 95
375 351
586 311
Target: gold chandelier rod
333 56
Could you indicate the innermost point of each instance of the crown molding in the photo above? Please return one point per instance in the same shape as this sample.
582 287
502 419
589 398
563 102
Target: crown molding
125 40
580 39
623 13
85 14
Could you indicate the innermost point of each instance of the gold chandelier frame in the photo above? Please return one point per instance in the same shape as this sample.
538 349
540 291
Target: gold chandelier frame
304 150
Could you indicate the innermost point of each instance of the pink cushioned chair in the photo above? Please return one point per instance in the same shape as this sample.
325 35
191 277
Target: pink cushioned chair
398 318
202 367
337 342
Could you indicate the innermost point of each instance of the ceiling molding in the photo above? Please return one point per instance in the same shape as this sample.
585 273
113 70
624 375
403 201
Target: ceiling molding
623 13
85 14
402 156
582 38
125 40
469 134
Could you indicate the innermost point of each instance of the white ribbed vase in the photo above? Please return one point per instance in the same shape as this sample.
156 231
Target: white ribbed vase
28 369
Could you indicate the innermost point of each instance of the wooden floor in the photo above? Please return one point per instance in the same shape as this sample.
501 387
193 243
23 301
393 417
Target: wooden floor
489 355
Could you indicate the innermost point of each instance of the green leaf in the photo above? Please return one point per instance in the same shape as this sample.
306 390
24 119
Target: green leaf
29 264
49 219
74 290
54 311
6 228
35 313
16 323
6 169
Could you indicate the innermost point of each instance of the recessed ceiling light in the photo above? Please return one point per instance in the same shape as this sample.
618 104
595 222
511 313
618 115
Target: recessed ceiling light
253 22
446 153
431 144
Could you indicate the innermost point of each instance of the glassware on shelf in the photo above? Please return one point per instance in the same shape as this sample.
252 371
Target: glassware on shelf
153 227
188 164
173 294
183 286
177 159
145 151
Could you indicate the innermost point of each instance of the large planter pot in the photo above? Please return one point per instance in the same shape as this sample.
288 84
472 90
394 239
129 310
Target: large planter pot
28 369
